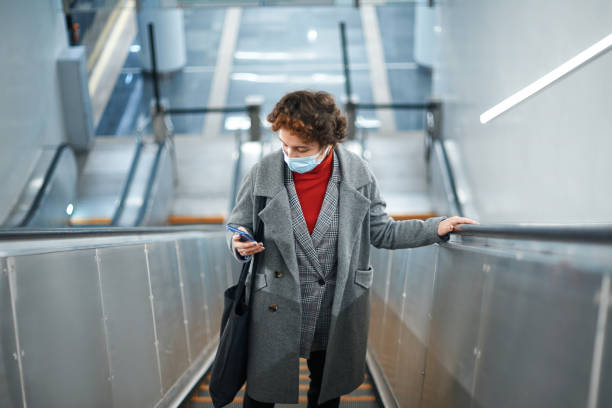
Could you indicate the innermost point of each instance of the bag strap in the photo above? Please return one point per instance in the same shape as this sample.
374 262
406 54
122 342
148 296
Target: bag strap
258 235
259 229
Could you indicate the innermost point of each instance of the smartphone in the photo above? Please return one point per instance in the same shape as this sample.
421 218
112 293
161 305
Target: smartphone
244 236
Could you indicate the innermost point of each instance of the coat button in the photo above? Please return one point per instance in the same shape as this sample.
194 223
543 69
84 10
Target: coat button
321 281
273 307
278 274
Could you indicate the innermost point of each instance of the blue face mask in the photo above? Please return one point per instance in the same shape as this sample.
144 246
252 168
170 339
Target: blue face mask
303 164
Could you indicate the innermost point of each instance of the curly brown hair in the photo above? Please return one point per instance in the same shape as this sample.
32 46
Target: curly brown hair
310 115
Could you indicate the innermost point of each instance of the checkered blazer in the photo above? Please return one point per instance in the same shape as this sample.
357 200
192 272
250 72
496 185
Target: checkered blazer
317 257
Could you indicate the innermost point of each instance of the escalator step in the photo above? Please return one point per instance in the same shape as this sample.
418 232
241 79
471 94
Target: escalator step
363 397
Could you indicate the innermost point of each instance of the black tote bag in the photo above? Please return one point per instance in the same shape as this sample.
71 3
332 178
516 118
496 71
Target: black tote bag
229 368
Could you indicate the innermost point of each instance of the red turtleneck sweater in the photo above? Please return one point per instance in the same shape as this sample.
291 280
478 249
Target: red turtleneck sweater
310 188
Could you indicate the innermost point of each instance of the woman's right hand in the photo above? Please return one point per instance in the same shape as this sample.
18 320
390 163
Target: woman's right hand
246 248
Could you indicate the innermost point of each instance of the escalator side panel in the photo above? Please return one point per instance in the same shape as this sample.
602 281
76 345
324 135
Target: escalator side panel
192 269
168 309
538 332
512 325
390 331
10 384
215 283
415 323
130 332
455 320
605 390
381 261
61 331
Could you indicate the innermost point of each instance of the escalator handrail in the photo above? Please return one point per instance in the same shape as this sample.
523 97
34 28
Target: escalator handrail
150 183
451 178
592 233
128 183
41 191
10 234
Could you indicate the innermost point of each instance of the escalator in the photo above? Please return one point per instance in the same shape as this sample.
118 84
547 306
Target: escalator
499 316
119 182
125 182
364 396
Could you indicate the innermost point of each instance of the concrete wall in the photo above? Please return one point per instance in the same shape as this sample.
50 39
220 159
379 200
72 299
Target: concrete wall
549 158
33 34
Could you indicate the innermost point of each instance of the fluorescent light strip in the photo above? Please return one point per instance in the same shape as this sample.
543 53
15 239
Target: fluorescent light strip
552 76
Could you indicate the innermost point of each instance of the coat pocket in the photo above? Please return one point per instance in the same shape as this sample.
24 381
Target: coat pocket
364 277
260 282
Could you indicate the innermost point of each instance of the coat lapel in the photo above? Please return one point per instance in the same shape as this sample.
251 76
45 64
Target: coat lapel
276 217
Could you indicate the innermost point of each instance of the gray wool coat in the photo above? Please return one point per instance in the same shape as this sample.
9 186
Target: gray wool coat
274 329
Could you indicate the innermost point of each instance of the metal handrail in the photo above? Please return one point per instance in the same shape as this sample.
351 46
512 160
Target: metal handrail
128 184
9 234
222 109
41 191
150 183
398 106
592 233
451 179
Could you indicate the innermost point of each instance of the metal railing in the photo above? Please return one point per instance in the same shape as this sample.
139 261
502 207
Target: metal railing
159 111
128 183
592 233
150 182
152 297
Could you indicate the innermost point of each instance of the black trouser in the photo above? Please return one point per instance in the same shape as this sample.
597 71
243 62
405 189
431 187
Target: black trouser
315 365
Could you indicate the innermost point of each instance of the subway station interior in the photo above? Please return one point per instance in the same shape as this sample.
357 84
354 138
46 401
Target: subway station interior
127 127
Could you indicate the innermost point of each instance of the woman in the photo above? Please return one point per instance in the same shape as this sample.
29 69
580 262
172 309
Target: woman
310 296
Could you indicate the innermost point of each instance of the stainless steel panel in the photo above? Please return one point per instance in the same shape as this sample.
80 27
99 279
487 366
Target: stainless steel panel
388 349
538 332
418 290
414 328
456 314
216 282
381 266
380 261
127 307
207 293
397 280
61 330
224 255
169 316
10 386
389 317
191 267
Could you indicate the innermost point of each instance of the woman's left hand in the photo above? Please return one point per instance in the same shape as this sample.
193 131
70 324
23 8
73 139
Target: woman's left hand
450 224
